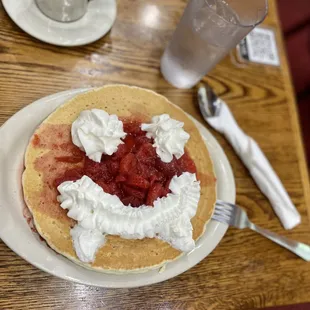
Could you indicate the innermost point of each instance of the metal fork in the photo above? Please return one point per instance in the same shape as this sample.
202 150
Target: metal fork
234 215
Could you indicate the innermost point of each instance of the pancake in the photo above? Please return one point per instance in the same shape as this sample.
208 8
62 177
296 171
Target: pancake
52 140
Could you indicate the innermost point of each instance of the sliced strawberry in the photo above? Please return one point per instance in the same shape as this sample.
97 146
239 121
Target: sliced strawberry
133 201
128 164
129 191
138 181
129 142
120 178
146 154
150 173
185 163
104 186
145 170
157 177
154 192
105 158
120 153
91 167
166 189
113 167
97 171
117 190
114 189
133 127
168 169
140 140
110 188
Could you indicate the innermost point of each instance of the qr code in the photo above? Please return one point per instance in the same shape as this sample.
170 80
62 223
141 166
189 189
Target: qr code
260 46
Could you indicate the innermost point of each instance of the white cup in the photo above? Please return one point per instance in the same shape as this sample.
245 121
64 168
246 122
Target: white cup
63 10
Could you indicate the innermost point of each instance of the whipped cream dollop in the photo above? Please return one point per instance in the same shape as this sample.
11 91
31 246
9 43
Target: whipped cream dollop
96 132
169 136
86 242
99 213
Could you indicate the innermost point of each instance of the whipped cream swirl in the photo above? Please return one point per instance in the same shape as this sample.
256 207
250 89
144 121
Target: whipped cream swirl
99 213
96 132
169 136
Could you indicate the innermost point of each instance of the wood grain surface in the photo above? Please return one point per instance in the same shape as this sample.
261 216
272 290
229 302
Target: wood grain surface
245 271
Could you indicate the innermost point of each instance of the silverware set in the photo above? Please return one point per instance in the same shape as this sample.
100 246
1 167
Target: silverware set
217 114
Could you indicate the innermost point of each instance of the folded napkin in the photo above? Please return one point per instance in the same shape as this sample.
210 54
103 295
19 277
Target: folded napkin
258 165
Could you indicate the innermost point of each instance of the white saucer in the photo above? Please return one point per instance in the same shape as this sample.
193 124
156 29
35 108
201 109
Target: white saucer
97 21
15 231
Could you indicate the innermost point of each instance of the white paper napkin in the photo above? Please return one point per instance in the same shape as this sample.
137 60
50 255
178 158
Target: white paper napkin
258 165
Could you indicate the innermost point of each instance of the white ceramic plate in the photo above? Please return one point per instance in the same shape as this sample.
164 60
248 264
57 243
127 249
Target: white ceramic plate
97 21
15 232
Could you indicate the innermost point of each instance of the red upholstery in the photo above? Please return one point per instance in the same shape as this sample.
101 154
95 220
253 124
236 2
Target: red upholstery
295 19
293 13
298 50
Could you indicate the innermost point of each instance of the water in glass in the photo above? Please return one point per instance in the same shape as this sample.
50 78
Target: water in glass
207 30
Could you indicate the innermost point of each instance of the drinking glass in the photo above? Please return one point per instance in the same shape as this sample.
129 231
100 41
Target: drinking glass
63 10
206 32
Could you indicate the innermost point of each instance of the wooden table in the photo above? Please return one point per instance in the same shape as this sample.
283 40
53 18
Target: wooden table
245 271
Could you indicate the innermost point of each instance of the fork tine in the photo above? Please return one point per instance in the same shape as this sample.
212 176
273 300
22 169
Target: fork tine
223 210
223 207
225 204
226 216
221 219
221 213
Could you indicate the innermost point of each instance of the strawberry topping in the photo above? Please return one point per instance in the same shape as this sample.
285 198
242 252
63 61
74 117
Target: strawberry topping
134 172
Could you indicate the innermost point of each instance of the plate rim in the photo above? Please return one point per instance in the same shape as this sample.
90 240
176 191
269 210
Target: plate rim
221 228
